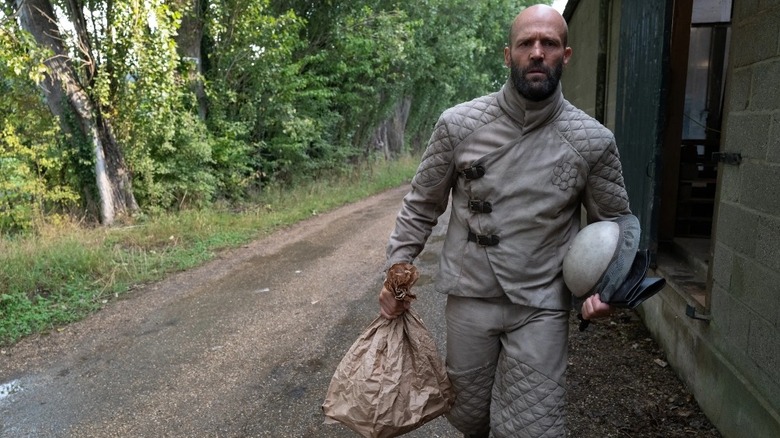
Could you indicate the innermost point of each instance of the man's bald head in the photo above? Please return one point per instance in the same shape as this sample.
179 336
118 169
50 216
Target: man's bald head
536 14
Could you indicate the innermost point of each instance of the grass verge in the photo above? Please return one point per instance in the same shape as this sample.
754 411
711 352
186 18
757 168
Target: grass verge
65 272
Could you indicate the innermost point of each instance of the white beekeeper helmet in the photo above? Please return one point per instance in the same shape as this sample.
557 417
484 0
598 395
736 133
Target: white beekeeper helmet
604 259
600 256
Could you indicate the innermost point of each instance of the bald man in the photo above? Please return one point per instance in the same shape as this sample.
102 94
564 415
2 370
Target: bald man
517 164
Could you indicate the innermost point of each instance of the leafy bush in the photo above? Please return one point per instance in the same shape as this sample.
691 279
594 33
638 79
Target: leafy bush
34 177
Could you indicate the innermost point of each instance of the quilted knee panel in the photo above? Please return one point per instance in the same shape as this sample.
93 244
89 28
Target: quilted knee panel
526 403
470 413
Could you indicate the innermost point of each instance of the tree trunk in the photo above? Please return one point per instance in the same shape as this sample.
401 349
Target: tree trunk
379 140
189 41
64 92
389 135
84 47
397 129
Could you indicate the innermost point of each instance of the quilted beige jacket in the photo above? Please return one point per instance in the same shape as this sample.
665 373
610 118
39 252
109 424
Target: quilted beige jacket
517 172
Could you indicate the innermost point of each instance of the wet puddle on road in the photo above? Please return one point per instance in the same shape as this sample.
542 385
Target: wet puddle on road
9 388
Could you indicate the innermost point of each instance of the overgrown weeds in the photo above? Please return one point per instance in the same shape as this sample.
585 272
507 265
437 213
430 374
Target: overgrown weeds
64 272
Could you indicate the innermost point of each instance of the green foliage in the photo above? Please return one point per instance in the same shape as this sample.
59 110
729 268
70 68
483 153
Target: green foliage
33 165
167 148
367 64
230 157
177 170
262 90
43 281
295 90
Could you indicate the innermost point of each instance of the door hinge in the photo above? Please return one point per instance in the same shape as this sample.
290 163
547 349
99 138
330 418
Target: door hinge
734 158
691 312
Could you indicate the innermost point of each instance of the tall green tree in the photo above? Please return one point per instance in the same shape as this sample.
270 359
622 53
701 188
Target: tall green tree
149 90
189 46
177 103
65 92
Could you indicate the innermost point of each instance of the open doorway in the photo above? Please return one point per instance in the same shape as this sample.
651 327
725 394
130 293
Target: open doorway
693 132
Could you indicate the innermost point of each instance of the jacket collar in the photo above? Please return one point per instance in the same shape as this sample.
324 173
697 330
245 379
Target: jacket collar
526 113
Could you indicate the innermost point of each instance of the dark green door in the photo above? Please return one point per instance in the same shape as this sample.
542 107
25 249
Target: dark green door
645 28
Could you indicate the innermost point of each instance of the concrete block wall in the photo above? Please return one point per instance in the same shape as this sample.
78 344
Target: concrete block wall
746 260
579 76
731 363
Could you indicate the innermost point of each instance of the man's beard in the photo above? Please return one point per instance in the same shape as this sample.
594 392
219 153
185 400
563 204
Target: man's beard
536 90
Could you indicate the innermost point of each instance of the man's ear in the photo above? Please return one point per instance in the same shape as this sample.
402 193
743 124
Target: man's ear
507 57
566 55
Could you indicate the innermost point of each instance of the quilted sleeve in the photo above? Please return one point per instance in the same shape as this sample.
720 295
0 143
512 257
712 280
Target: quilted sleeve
605 193
427 199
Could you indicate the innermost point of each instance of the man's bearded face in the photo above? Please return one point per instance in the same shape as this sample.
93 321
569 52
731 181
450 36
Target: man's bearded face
536 89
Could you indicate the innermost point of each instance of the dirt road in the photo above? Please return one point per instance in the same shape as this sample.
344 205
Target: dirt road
244 346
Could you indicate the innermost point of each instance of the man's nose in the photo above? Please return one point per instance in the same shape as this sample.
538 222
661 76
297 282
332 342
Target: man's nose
537 51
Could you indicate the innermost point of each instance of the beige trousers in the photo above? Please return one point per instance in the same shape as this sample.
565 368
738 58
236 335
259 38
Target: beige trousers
507 364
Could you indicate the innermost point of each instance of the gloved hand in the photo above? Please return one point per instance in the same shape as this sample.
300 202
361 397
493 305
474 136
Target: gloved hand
389 306
395 298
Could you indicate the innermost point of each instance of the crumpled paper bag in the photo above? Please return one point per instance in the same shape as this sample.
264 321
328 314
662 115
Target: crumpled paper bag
392 380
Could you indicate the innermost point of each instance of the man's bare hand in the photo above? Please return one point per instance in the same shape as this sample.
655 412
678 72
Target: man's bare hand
389 307
594 308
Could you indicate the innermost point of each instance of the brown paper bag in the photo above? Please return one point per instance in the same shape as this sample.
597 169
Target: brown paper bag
392 380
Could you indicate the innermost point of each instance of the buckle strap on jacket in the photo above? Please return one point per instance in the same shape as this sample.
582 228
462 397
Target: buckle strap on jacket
474 172
477 206
483 239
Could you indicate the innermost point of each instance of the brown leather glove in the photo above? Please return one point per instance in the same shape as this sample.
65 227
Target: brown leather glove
395 298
